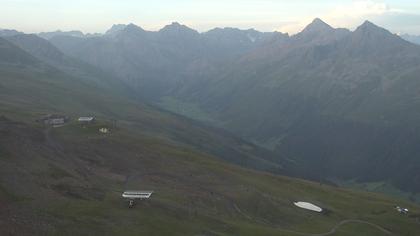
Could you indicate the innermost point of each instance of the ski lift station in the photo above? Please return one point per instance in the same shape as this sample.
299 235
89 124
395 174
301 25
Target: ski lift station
132 196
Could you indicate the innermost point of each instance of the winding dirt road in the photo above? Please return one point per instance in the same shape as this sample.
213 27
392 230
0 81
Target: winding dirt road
338 225
331 232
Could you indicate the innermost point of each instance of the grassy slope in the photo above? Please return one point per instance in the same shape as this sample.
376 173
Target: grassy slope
75 177
27 94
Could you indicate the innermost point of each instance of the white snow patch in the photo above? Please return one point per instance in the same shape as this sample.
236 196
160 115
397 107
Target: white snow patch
308 206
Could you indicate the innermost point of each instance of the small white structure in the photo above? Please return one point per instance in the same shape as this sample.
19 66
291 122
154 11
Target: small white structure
308 206
137 194
104 130
54 120
402 210
131 196
86 119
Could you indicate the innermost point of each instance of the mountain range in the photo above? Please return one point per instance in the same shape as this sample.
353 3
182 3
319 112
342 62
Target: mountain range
157 62
329 99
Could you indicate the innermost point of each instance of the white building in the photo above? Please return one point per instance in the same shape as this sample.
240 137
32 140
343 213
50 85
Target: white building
131 196
54 120
86 119
137 194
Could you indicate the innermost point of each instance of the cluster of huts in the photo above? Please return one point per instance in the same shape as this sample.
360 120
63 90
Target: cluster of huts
56 120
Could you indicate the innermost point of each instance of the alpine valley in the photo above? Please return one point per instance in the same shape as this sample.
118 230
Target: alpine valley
229 128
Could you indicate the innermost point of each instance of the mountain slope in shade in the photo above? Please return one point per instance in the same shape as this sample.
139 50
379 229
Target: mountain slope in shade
342 95
11 55
30 86
38 47
343 104
49 54
232 42
157 62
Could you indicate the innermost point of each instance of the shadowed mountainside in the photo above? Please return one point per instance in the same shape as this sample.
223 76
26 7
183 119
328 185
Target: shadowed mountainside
341 104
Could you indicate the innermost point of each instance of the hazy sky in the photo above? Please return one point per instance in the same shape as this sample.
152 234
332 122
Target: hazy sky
400 16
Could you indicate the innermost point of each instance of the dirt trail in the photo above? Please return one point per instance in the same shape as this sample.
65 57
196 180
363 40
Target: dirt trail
338 225
331 232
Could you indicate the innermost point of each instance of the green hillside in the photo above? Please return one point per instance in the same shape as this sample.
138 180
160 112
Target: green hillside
29 92
68 181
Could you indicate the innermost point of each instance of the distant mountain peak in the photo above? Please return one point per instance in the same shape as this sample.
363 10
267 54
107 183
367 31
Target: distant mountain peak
177 28
368 25
119 29
317 25
115 29
175 24
318 21
319 32
367 22
370 28
131 27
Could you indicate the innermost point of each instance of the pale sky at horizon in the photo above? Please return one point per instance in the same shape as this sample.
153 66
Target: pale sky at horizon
90 16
